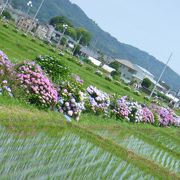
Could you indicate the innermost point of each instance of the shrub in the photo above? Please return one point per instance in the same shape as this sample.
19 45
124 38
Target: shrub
108 77
33 40
6 25
127 88
52 49
16 30
148 116
6 69
42 45
99 101
38 88
146 98
121 109
146 83
79 63
165 116
24 35
117 83
54 67
5 89
137 93
89 68
99 73
71 98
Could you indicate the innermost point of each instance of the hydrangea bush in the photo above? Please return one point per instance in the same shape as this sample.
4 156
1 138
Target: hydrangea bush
166 117
121 109
6 75
99 101
6 67
54 67
37 86
71 98
5 89
148 116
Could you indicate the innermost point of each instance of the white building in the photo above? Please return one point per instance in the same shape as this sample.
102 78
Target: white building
130 72
94 61
41 31
26 23
108 68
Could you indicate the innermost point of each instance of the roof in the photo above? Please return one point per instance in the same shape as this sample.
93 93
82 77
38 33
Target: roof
172 97
108 68
94 61
127 63
145 71
89 52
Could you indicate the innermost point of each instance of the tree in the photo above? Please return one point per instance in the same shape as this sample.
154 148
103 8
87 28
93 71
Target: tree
146 83
7 15
116 65
71 32
60 20
77 49
83 35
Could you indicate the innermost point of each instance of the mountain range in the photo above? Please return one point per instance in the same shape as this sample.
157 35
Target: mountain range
100 39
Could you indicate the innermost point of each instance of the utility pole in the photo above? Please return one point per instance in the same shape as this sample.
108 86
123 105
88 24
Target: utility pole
4 7
35 15
65 26
77 43
165 66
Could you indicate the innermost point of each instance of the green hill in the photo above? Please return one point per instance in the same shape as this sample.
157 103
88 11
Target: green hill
108 44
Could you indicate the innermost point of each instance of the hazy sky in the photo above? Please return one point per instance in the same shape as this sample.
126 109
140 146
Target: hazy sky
150 25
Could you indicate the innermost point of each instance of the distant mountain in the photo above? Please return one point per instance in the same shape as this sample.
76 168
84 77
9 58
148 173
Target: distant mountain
101 39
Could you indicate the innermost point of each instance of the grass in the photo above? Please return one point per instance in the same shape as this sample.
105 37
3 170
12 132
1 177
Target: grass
146 151
20 48
26 121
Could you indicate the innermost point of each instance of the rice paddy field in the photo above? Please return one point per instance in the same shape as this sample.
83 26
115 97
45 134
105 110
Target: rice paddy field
36 144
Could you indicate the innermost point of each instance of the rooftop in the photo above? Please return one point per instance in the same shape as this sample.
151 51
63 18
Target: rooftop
126 63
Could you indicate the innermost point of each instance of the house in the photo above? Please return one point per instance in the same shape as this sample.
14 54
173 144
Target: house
133 72
87 52
41 31
174 100
44 31
70 42
26 23
128 70
108 68
94 61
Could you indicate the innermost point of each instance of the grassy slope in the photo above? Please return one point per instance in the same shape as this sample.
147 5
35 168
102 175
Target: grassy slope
26 120
109 134
20 48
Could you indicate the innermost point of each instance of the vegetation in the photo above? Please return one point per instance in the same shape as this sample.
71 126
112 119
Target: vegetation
102 147
121 143
106 43
146 83
7 15
80 34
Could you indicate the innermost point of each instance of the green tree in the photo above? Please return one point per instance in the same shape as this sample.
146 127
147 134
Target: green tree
71 32
7 15
115 65
77 49
146 83
83 35
60 20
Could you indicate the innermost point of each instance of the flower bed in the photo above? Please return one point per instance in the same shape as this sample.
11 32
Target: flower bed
70 97
37 86
99 101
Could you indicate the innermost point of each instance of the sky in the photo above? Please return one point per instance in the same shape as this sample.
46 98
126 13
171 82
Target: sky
150 25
